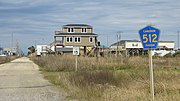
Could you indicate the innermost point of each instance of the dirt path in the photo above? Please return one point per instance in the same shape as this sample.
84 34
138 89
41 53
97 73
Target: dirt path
20 80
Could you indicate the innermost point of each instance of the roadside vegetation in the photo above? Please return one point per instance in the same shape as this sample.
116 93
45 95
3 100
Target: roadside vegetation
113 79
4 59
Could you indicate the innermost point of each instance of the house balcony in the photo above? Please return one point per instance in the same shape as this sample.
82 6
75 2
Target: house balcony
58 43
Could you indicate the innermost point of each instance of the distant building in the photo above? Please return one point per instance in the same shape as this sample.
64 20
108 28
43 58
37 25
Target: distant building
134 47
71 35
1 51
42 50
10 51
103 50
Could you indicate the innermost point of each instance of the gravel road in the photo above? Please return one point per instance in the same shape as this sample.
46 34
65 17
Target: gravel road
20 80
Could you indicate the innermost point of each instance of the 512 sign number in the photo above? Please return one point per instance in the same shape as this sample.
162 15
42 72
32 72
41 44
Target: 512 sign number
150 38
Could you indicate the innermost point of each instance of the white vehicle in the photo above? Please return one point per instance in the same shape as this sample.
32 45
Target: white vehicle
41 50
162 52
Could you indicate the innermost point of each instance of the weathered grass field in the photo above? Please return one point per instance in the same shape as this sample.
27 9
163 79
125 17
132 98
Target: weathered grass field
113 79
4 59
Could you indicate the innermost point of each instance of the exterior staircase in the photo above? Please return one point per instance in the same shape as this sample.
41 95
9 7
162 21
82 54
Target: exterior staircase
91 51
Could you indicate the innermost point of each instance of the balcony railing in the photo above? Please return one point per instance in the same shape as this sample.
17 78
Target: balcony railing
59 43
57 32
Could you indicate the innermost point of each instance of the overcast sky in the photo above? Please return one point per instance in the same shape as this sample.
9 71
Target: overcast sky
34 21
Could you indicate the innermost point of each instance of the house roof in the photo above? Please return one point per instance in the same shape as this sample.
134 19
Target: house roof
76 34
123 41
102 46
77 25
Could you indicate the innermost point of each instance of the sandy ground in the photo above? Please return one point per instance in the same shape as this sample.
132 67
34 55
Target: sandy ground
20 80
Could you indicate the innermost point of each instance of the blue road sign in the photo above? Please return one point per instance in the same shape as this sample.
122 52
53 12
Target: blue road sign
149 37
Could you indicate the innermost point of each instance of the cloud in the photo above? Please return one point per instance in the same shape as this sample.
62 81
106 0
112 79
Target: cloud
37 19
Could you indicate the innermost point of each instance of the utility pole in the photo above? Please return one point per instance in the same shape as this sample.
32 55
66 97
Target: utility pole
119 39
178 39
35 42
117 46
107 40
17 48
11 44
108 45
118 42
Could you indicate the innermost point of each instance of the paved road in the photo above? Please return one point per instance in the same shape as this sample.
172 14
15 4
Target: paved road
20 80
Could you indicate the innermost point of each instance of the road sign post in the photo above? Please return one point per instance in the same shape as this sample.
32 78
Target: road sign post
76 67
76 53
151 74
149 38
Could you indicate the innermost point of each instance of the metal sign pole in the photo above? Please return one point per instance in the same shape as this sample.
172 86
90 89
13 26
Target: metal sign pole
76 53
151 74
76 64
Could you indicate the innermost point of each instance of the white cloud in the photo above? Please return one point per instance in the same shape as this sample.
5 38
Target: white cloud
34 18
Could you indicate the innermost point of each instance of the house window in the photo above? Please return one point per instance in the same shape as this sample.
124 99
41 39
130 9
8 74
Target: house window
77 39
84 30
70 30
90 39
69 39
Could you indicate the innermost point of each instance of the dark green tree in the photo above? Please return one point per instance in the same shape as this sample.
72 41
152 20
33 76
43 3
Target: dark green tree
31 50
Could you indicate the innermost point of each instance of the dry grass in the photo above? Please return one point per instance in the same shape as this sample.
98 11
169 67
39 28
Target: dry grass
113 79
6 59
67 63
